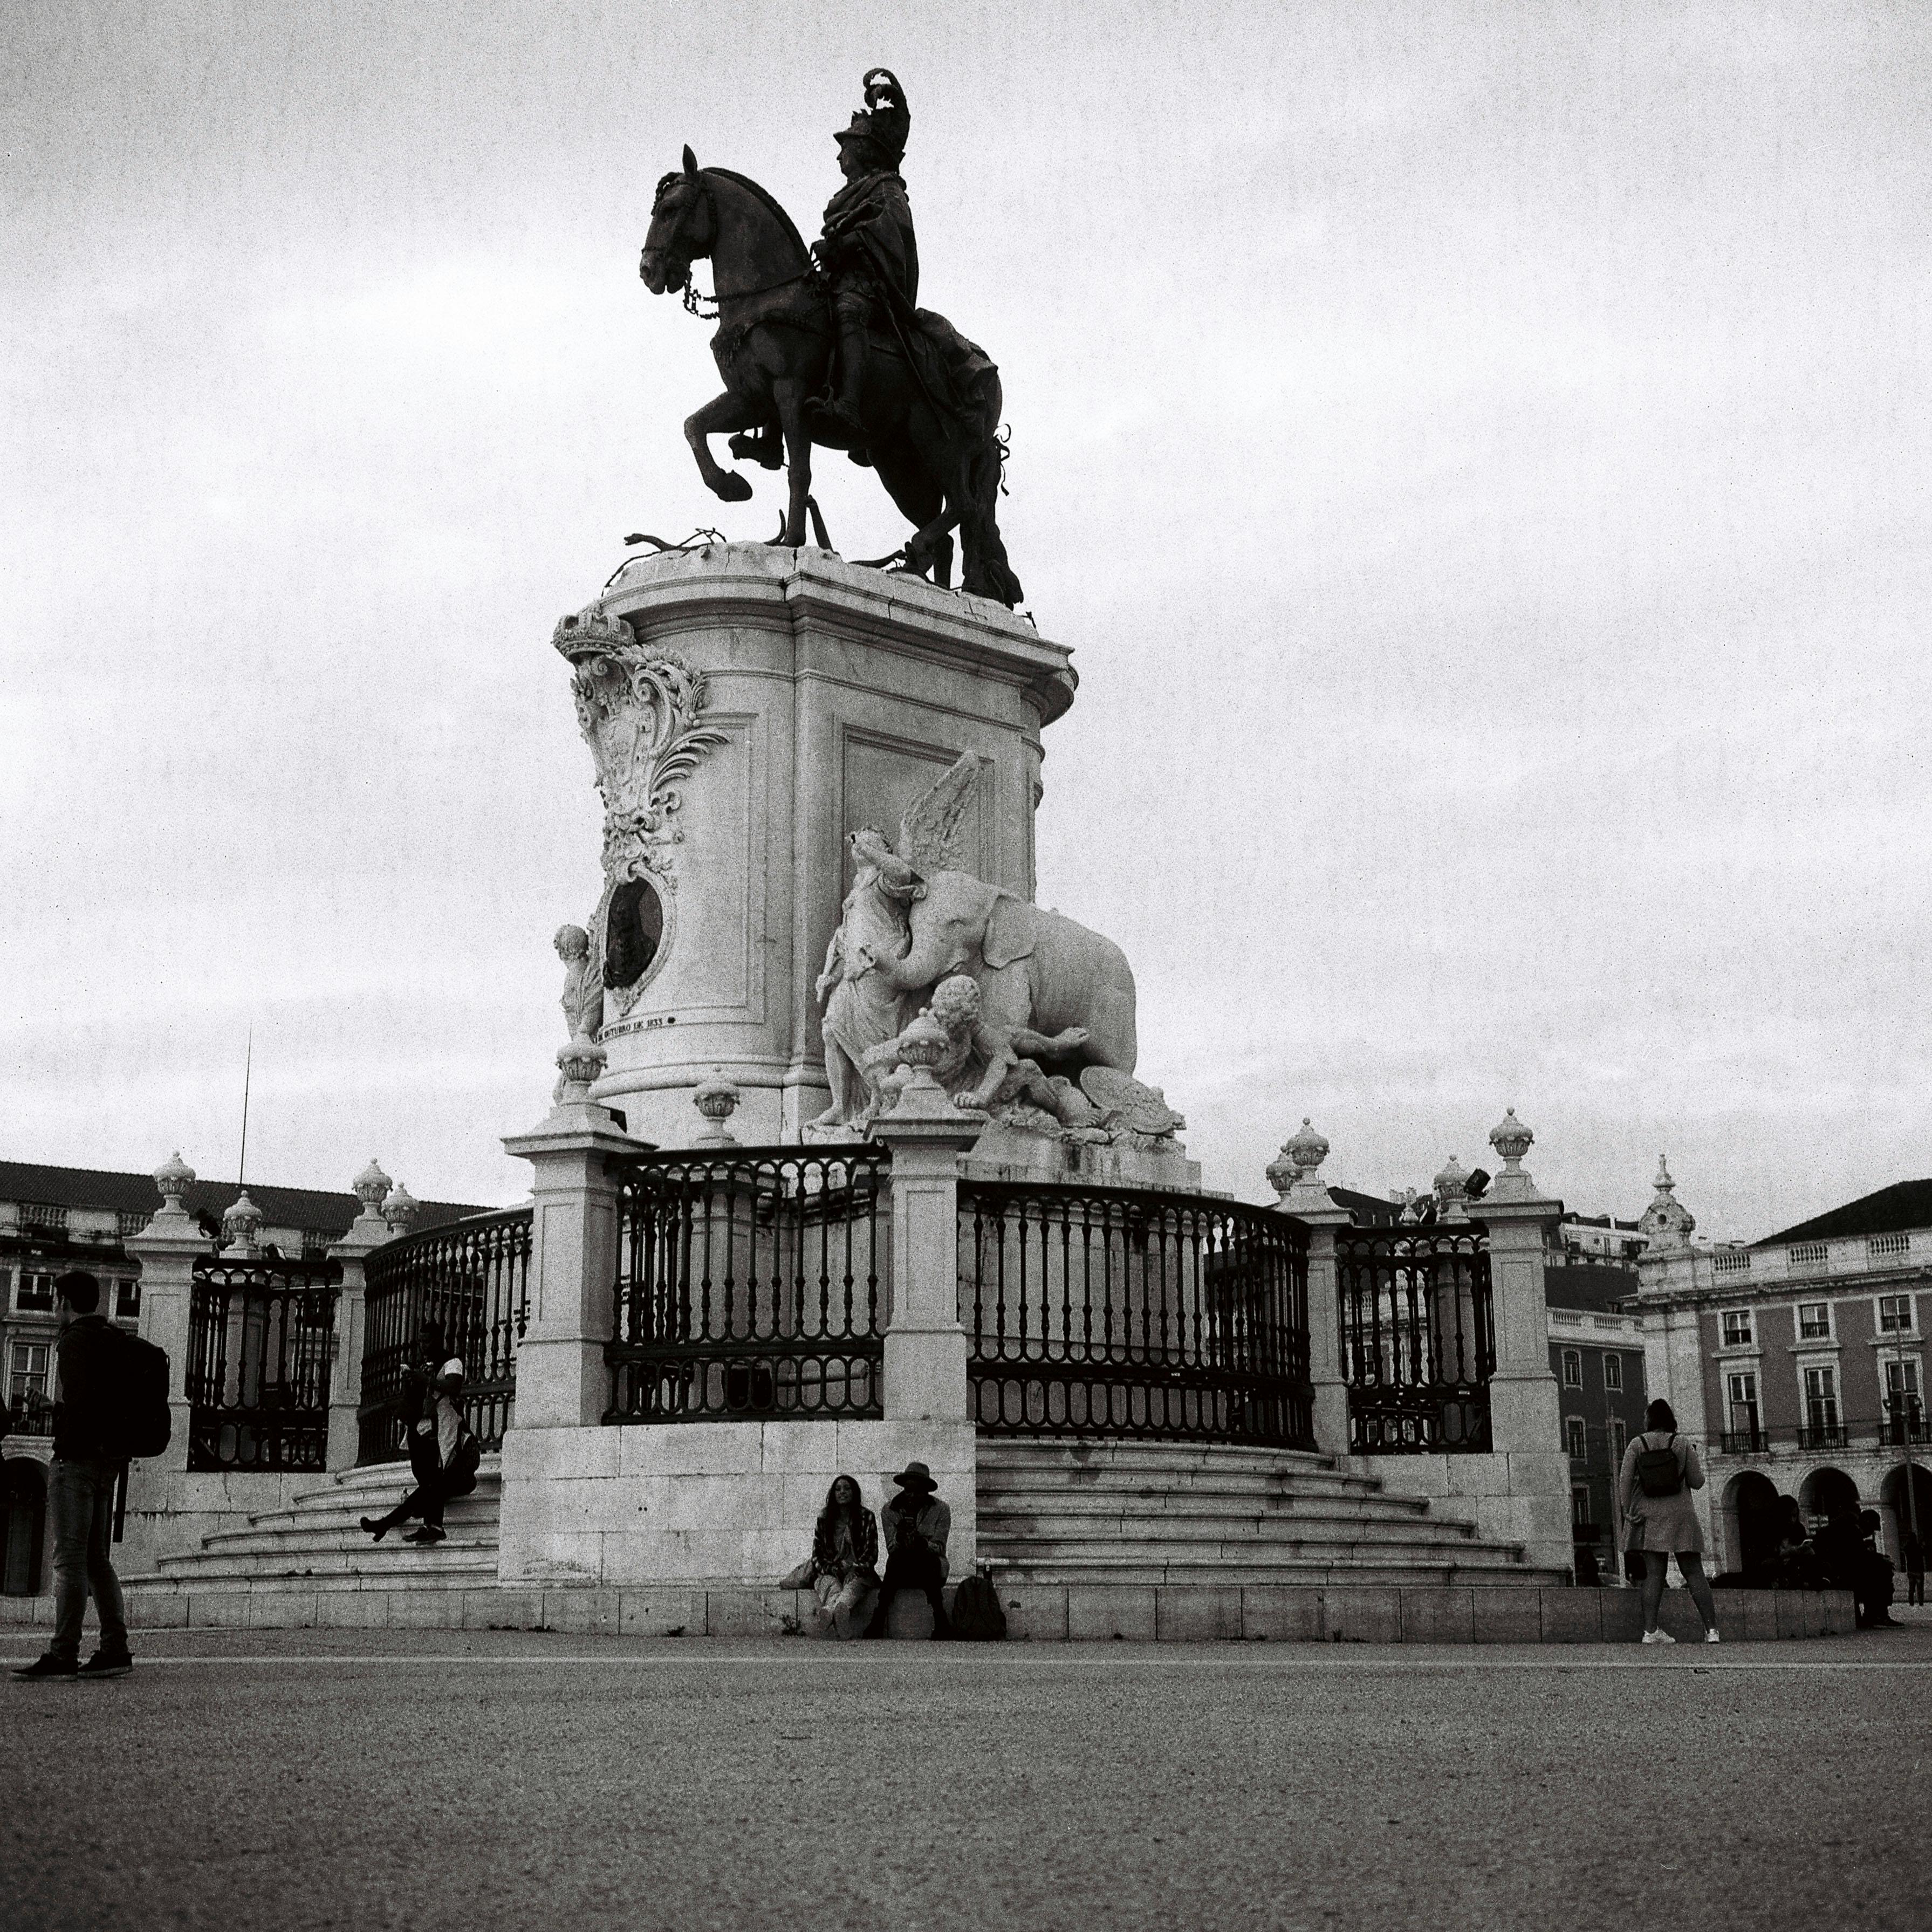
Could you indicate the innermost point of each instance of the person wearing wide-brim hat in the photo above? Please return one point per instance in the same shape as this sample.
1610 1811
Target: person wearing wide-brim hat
917 1525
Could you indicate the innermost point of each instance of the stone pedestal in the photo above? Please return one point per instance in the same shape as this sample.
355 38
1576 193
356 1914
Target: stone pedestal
561 1380
367 1232
749 708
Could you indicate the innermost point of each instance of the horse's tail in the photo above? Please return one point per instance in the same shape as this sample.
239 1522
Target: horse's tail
986 572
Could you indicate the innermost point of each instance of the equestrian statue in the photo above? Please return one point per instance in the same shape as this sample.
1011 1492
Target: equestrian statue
828 346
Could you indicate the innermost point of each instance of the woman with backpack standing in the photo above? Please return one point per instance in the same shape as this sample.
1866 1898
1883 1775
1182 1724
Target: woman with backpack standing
1660 1470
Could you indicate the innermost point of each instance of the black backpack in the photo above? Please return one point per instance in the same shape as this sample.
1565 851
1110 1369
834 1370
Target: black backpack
134 1404
977 1615
1658 1471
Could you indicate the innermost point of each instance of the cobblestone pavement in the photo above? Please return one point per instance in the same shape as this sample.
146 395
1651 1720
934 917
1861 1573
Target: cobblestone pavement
298 1779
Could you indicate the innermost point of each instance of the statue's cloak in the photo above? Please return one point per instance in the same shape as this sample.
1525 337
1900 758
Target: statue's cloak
879 232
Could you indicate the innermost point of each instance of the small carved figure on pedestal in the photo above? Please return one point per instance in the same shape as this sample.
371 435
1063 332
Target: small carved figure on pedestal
582 1001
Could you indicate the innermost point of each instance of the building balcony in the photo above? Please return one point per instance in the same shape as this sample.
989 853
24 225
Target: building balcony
1868 1435
30 1415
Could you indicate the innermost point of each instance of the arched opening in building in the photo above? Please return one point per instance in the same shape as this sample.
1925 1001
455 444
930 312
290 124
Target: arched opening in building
1751 1512
25 1496
1898 1505
1825 1491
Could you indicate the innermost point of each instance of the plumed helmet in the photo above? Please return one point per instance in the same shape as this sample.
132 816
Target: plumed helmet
883 123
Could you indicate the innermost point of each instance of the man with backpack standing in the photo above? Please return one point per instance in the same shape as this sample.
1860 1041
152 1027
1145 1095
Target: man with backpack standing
88 1461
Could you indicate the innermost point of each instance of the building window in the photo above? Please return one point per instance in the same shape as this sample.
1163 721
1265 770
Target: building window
1573 1368
1901 1391
1887 1244
1577 1437
29 1374
126 1299
36 1294
1613 1370
1814 1321
1579 1504
1895 1314
1821 1400
1737 1327
1619 1439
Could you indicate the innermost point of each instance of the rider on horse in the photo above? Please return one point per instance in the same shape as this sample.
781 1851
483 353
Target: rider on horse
867 250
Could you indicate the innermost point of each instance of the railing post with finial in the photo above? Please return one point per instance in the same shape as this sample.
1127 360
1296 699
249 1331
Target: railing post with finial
368 1231
1526 1428
1295 1177
562 1382
167 1249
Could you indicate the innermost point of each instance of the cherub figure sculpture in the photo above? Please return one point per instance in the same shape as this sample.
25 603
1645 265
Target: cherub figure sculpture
863 1009
983 1067
582 1001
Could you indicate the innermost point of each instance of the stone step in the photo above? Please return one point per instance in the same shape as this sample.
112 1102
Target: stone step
479 1507
999 1527
392 1476
473 1534
997 1498
435 1566
1095 1449
1211 1576
1178 1546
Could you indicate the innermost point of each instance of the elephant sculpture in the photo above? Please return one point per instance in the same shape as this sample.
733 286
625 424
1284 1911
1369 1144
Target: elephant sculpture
1036 969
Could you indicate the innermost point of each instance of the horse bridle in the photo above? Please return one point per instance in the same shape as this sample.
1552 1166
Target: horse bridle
692 297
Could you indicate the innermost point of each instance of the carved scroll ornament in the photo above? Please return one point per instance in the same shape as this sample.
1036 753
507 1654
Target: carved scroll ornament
638 706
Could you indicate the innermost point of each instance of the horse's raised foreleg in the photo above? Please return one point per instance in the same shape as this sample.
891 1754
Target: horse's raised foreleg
729 411
788 393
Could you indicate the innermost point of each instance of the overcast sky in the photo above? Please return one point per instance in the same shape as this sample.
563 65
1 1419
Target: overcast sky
1478 454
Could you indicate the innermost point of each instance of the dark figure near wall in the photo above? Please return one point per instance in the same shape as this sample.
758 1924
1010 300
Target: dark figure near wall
1914 1553
1847 1554
917 1525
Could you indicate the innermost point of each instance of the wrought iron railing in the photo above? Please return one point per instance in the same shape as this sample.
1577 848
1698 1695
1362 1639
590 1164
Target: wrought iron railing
752 1282
261 1344
31 1414
1127 1312
1853 1432
471 1280
1418 1337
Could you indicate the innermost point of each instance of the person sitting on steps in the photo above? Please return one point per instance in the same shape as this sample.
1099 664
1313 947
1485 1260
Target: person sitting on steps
917 1525
451 1473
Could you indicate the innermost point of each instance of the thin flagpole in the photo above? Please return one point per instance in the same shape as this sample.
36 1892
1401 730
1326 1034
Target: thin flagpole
247 1073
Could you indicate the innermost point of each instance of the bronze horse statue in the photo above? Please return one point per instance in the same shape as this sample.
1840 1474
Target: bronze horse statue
935 442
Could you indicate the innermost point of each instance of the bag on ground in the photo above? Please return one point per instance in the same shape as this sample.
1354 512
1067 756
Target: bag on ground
976 1614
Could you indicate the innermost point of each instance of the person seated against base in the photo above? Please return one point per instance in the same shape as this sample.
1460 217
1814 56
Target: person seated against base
917 1525
844 1571
1849 1562
443 1462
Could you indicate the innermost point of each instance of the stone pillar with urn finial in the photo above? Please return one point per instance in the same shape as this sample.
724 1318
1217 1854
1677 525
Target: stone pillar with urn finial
167 1249
1295 1177
561 1380
368 1231
1531 1504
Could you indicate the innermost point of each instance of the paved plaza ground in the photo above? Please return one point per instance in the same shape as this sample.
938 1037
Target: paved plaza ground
484 1779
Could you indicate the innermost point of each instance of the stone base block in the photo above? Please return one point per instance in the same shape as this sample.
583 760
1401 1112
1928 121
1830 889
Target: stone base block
673 1504
1036 1612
